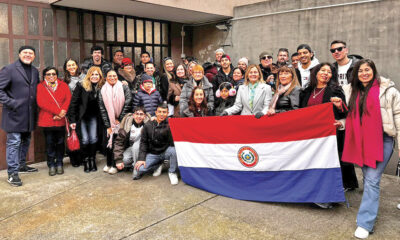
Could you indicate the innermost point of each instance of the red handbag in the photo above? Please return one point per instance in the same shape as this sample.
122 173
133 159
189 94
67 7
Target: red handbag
72 139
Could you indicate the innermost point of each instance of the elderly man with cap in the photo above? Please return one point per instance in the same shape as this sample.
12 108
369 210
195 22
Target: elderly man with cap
265 64
18 83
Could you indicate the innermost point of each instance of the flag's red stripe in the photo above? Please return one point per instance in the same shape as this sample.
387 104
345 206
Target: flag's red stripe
307 123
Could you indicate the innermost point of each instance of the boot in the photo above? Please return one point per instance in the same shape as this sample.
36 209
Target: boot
92 159
86 168
89 160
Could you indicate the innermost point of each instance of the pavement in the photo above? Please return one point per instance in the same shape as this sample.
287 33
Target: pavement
78 205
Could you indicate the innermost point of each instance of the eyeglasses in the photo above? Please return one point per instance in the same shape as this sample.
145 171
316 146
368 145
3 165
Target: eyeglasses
51 74
339 49
265 57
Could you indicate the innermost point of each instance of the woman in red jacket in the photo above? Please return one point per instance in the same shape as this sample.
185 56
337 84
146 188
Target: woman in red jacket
53 98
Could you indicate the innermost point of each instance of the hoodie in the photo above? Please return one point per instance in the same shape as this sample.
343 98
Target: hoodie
305 73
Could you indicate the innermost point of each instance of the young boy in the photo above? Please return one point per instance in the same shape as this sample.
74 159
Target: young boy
147 96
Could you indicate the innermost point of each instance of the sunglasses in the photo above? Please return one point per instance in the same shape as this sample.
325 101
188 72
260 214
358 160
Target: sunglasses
265 57
51 74
339 49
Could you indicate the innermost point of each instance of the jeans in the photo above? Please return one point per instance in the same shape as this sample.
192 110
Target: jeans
153 161
17 146
368 211
89 130
55 146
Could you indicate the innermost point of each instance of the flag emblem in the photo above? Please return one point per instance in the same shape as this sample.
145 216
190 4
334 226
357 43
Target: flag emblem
247 156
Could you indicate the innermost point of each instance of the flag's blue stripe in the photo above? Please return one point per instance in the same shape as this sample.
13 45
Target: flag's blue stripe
312 185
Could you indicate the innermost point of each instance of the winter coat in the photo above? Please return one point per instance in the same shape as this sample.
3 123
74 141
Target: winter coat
329 92
125 109
155 138
150 100
161 85
187 91
74 80
48 108
262 99
104 66
188 113
305 73
288 102
18 97
222 104
389 98
174 90
123 139
265 71
79 102
164 87
222 77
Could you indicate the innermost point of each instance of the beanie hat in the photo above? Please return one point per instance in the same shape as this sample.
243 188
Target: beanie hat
146 78
219 50
26 47
245 60
126 61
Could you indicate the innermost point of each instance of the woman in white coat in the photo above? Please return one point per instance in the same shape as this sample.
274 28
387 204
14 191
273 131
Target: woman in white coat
253 96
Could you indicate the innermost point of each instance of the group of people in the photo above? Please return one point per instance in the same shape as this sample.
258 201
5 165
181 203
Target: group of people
123 110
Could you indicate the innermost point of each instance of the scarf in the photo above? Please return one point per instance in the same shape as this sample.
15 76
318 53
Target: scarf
252 93
364 137
114 100
281 90
52 86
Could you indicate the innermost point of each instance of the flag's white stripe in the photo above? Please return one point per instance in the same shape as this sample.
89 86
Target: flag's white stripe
282 156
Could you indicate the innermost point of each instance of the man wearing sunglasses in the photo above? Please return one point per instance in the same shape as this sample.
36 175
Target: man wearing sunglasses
265 64
343 63
18 83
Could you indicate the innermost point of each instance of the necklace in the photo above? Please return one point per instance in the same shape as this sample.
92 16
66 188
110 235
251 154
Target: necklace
315 95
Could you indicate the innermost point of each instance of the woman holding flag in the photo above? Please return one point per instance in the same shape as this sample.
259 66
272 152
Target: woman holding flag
371 125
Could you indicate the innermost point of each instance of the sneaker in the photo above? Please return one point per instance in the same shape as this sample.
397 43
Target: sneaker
112 170
27 169
361 233
398 206
106 168
173 177
52 171
136 175
14 180
60 170
324 205
158 171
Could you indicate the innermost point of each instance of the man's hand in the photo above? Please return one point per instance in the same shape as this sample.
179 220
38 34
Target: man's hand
140 163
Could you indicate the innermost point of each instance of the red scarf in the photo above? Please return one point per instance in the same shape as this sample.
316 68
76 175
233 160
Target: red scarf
364 139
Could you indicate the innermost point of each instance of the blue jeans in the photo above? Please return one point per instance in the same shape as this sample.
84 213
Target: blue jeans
153 161
55 146
89 130
368 211
17 146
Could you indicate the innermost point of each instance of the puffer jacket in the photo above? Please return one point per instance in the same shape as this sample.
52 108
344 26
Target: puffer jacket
389 98
149 101
187 91
127 107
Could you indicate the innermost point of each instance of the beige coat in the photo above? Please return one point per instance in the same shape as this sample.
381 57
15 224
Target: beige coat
390 106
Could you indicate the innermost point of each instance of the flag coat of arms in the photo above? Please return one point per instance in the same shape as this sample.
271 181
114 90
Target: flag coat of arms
289 157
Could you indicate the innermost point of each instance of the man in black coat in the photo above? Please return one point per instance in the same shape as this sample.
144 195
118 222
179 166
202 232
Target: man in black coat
156 145
225 73
18 83
96 60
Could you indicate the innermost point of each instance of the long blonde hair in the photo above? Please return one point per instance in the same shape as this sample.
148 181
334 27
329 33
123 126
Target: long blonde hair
246 75
87 84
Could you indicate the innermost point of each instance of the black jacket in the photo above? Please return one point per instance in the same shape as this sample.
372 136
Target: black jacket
148 101
288 102
104 66
164 85
127 107
18 96
222 77
79 102
155 139
221 104
350 70
265 71
330 91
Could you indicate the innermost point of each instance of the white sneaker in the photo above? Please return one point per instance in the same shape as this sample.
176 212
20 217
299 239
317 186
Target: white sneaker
398 206
112 170
361 233
173 178
106 168
158 171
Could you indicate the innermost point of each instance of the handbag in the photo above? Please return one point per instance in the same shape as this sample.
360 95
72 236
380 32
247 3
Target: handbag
72 137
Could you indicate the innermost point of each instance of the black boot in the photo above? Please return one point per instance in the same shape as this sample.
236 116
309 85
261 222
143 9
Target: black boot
89 160
86 168
92 158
